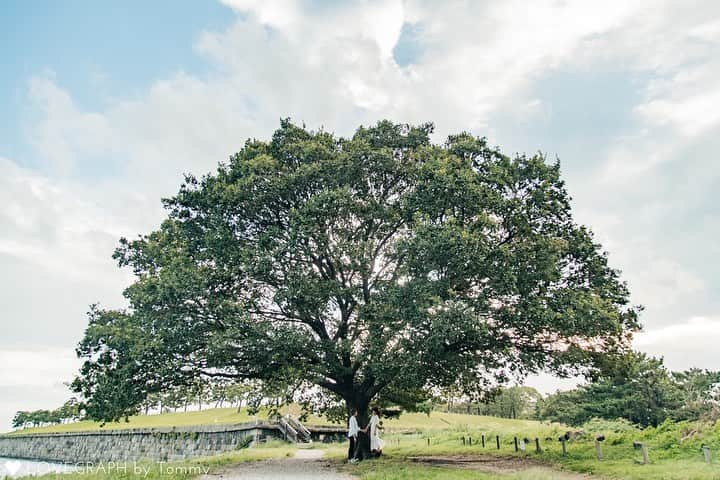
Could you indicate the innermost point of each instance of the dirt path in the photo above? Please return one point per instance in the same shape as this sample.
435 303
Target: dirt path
499 465
306 465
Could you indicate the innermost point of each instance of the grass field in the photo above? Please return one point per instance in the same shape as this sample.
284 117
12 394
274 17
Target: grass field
670 459
180 419
408 421
675 452
674 447
390 469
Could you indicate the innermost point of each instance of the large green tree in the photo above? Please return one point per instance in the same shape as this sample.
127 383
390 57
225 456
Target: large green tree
512 402
700 394
635 387
376 268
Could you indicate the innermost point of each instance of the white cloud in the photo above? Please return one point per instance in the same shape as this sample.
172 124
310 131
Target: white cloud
654 279
49 224
685 103
63 134
473 58
547 384
48 367
278 14
378 21
34 379
694 328
689 343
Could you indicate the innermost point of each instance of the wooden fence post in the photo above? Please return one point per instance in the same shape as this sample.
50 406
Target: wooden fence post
483 440
563 442
598 446
706 453
537 446
641 446
497 440
516 445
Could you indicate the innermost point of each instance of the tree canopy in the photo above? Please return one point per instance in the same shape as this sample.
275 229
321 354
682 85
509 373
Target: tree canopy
640 389
68 412
376 268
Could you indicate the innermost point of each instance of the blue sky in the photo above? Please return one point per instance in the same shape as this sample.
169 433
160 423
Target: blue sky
105 105
97 50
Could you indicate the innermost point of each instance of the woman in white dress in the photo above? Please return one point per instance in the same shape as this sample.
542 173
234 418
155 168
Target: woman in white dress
376 443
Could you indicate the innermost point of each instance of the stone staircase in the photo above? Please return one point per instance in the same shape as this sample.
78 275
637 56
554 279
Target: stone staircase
293 430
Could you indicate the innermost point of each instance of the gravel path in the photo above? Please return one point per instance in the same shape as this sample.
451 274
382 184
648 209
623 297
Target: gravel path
306 465
309 465
523 467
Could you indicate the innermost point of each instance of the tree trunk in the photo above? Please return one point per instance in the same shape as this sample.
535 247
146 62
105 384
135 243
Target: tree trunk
363 419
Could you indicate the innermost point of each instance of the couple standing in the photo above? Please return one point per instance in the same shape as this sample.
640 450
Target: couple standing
376 443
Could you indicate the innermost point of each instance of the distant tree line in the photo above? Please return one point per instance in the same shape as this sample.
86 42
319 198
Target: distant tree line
69 412
205 394
518 402
196 396
639 389
634 387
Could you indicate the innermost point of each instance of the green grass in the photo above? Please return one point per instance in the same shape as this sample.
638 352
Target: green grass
393 469
674 447
180 419
409 421
438 421
674 452
388 469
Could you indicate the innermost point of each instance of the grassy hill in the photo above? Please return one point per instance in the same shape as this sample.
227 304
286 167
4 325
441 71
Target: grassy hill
407 421
179 419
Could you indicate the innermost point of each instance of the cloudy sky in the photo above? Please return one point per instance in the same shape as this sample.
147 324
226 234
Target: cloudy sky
104 105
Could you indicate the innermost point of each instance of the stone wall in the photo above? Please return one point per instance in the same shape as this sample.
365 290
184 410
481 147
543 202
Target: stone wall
133 444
